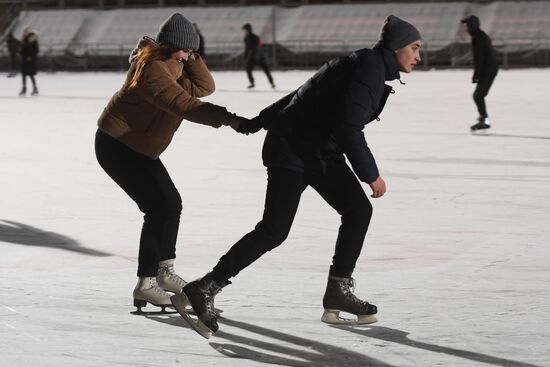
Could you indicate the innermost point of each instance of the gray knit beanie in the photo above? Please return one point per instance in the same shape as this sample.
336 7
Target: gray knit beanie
178 33
396 33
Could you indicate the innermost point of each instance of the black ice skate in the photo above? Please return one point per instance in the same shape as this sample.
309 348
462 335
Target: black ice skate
482 125
339 297
200 295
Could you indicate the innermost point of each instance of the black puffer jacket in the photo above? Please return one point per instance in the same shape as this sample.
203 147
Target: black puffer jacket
29 51
325 117
253 48
485 63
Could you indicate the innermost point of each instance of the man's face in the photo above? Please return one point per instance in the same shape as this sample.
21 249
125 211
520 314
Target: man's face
409 56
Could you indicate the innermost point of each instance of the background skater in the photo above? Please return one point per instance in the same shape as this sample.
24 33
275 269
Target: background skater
14 46
29 54
254 54
485 69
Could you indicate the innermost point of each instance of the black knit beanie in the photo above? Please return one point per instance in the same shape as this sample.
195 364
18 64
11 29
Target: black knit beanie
396 33
178 33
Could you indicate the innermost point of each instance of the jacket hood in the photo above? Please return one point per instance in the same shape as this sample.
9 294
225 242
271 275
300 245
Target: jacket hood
143 42
30 36
472 22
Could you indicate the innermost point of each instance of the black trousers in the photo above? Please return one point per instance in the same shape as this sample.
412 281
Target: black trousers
481 91
33 80
250 63
147 182
339 188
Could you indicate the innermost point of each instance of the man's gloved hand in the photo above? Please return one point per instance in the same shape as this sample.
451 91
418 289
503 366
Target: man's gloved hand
474 80
234 121
243 125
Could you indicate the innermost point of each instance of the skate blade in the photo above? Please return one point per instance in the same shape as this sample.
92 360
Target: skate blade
139 304
217 312
180 302
152 313
333 317
480 132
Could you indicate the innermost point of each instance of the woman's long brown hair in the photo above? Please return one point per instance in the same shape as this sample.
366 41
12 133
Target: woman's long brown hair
144 56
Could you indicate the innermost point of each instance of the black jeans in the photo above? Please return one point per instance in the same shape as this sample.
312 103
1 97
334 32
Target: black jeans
339 188
33 80
250 66
481 91
147 182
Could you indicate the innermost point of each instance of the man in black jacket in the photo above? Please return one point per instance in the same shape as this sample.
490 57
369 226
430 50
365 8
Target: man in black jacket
254 54
485 68
200 50
13 50
309 133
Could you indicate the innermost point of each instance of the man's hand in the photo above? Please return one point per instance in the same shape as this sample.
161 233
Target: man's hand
378 187
237 122
251 126
243 125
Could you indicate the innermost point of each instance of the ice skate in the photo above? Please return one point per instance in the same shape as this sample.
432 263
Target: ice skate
200 294
251 86
167 279
217 311
148 291
339 297
34 91
23 91
482 125
273 85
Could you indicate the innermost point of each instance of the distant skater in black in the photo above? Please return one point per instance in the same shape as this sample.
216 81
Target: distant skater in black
254 55
29 54
485 69
200 50
13 49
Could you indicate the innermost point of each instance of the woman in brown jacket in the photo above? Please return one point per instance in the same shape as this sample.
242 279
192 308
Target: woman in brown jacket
162 88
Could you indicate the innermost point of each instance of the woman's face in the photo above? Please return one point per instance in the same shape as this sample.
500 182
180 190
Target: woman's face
407 57
182 55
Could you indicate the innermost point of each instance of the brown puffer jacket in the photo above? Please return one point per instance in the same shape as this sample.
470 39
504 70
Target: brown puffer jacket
146 117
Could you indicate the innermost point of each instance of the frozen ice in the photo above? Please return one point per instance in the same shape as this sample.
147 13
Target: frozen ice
456 258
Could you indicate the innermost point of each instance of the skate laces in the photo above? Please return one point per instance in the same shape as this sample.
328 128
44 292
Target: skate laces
351 285
171 274
348 288
156 287
210 294
209 298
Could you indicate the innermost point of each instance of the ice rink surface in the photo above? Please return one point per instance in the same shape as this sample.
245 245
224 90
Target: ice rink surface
457 257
